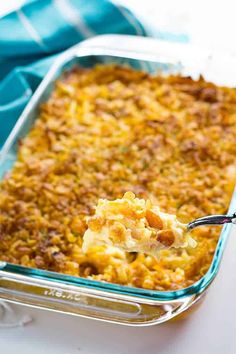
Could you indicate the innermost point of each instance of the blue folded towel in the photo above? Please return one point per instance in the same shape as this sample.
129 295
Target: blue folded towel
32 36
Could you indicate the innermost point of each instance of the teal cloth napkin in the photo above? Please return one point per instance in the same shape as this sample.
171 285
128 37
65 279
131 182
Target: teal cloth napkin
32 36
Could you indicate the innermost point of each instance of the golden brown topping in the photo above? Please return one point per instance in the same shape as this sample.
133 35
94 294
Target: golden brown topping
154 220
117 232
166 237
77 225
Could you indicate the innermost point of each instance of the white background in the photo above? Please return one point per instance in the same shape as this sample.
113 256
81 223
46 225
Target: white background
211 329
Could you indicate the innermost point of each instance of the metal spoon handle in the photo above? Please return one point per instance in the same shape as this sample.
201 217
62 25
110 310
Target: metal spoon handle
212 220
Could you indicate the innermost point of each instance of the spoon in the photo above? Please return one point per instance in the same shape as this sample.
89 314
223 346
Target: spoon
212 220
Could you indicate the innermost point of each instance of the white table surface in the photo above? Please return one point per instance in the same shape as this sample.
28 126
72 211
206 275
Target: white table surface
212 328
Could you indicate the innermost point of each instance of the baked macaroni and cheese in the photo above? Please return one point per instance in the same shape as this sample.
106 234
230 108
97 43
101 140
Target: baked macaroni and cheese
103 132
135 225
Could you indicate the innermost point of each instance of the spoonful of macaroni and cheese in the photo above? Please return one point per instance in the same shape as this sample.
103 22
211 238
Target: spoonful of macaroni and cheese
136 225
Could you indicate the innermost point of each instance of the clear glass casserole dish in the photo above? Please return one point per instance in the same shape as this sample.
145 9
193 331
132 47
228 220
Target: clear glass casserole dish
90 298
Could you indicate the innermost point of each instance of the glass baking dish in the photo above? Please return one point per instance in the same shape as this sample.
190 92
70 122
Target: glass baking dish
89 298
